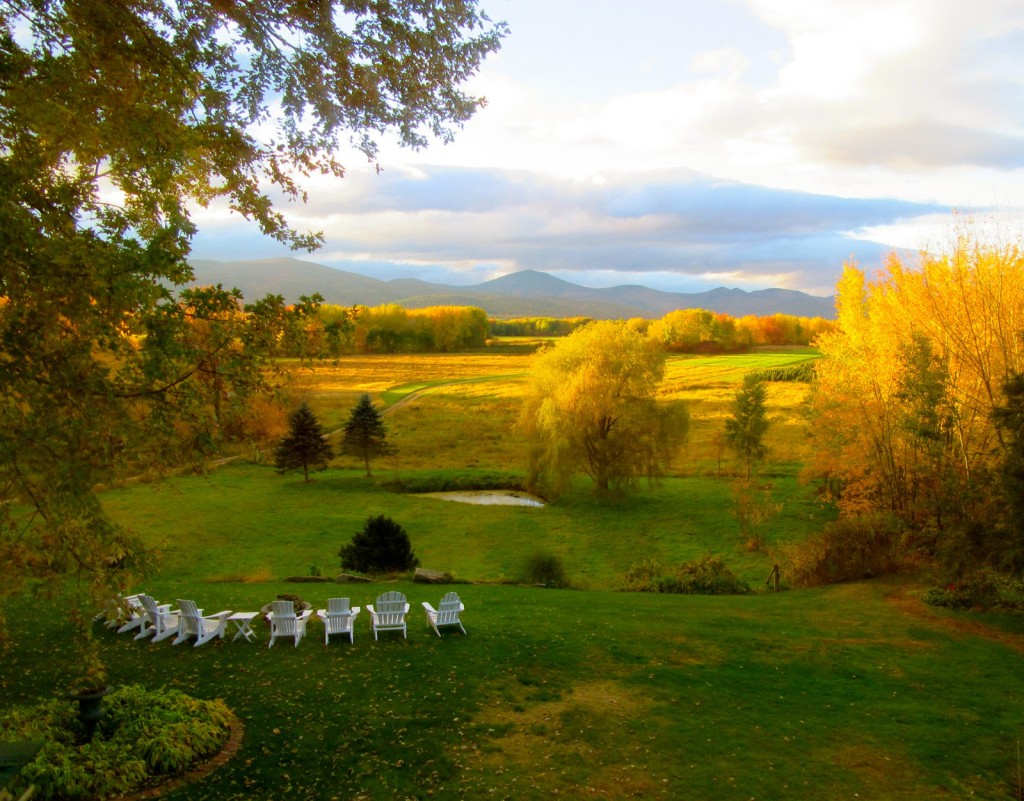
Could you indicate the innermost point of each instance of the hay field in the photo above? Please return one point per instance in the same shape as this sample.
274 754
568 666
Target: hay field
460 410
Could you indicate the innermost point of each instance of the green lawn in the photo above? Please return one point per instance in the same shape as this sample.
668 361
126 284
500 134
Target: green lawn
245 523
853 691
804 695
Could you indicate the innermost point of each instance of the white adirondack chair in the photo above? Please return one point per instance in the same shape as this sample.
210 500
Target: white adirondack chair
446 614
123 613
338 618
160 622
285 623
193 624
388 613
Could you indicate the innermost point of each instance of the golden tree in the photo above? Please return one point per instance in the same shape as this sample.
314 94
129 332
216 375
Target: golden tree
903 410
592 406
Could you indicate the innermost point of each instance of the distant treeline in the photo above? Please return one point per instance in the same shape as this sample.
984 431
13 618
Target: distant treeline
688 330
702 331
395 329
536 326
392 328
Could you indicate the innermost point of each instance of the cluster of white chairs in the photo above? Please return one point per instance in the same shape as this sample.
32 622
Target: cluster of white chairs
159 622
387 613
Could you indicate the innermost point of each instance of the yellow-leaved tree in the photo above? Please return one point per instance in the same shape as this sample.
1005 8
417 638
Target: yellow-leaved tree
591 407
904 409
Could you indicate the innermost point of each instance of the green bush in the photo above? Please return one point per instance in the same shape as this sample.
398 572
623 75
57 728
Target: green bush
142 737
544 568
848 549
642 577
803 373
984 590
447 481
705 576
381 547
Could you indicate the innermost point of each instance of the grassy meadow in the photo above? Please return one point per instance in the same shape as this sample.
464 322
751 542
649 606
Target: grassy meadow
475 399
853 691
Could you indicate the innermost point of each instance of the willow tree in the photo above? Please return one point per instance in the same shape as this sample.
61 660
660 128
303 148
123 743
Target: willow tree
592 407
118 119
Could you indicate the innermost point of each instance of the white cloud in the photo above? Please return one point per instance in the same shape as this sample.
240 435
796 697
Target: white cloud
580 160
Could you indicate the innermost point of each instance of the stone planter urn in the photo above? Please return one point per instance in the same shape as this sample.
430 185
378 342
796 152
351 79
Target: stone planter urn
90 707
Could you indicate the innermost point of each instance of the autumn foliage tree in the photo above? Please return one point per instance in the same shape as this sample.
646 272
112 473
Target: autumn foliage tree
392 328
1010 420
592 407
904 408
117 119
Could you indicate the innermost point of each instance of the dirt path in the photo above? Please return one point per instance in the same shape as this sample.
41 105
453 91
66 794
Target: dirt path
400 403
902 601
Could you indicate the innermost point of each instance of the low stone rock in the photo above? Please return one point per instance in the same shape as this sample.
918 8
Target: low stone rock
431 576
349 578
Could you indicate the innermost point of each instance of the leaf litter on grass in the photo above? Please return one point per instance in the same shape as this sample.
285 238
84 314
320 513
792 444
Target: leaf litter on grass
575 742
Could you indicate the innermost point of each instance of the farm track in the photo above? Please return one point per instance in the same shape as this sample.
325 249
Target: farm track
905 604
417 393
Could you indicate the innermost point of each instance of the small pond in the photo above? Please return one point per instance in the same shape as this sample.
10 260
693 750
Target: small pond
488 497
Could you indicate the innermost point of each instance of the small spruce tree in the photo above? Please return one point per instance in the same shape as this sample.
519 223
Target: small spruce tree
365 433
304 447
381 547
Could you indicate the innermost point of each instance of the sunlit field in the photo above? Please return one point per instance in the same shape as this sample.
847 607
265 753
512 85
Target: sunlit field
475 400
708 384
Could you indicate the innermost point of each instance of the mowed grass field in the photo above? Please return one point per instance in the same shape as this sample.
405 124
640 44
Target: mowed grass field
461 410
853 691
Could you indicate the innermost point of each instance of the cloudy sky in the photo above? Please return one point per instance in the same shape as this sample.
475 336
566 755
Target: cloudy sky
689 144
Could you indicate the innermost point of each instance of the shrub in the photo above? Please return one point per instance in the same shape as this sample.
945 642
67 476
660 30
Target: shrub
848 549
143 736
709 576
981 590
455 482
803 373
705 576
544 568
642 577
381 547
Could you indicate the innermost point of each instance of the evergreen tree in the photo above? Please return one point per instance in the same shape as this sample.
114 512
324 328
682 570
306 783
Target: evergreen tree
365 433
1010 419
744 431
382 546
304 447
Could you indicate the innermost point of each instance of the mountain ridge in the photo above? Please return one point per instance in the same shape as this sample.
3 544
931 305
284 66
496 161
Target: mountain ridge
527 293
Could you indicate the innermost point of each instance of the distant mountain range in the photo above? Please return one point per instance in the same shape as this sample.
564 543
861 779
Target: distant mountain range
528 293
